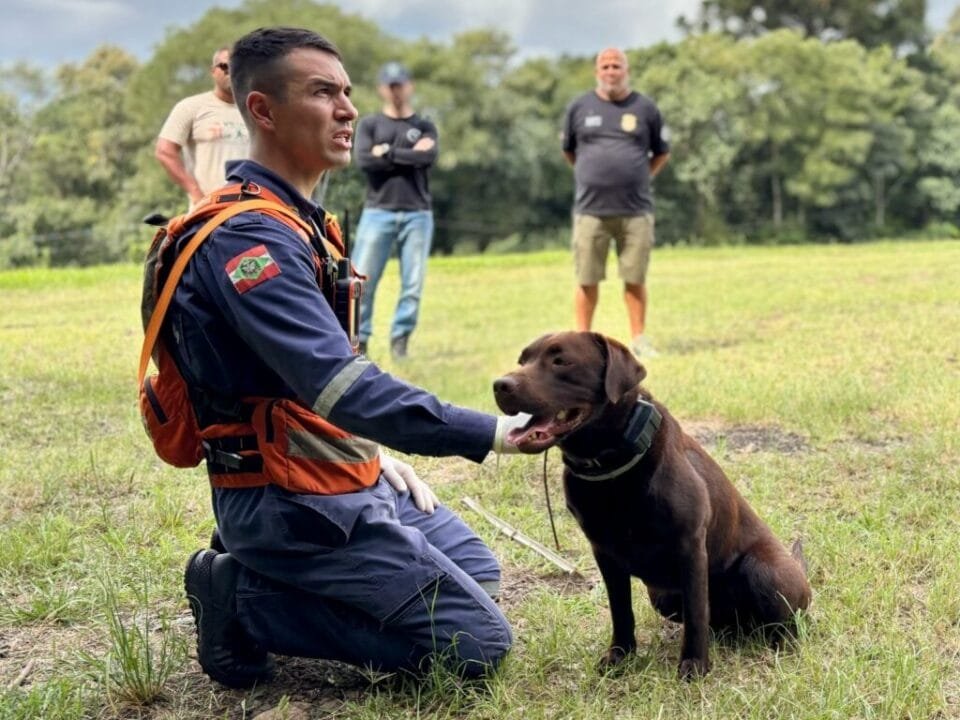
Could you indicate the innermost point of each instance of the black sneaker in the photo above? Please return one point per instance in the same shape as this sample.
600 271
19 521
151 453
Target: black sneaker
398 346
362 347
225 651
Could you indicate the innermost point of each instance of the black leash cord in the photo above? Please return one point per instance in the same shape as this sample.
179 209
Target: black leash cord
546 493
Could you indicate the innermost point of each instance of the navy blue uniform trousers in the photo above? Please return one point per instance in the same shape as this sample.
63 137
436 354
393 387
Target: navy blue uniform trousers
364 578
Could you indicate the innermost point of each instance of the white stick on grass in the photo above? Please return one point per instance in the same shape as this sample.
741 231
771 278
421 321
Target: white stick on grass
514 534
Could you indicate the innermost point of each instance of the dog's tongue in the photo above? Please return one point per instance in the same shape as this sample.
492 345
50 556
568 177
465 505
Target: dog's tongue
535 436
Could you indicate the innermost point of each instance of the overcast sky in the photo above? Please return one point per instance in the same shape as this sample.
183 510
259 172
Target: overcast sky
49 32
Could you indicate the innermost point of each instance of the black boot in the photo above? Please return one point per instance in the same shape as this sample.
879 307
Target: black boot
215 542
225 651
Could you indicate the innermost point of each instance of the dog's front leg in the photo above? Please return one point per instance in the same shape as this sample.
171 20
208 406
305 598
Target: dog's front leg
694 653
617 581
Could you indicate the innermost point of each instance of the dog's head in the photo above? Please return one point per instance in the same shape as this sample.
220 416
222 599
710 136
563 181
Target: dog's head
566 381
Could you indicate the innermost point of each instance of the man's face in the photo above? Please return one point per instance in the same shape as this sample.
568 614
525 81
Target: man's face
396 93
313 125
612 73
221 76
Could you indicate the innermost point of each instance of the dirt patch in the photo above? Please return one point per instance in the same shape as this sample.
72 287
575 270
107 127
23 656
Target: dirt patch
744 438
518 583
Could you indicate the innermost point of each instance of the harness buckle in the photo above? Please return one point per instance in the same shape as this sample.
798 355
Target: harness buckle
232 460
250 188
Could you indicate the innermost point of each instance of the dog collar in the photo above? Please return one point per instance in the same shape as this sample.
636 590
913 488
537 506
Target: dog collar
637 438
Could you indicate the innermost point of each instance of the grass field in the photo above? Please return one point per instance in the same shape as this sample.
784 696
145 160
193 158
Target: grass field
826 380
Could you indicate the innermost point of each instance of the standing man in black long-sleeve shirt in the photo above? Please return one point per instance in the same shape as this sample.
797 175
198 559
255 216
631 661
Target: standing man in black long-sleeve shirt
395 149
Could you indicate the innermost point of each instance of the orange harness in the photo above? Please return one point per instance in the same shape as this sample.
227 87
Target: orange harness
278 440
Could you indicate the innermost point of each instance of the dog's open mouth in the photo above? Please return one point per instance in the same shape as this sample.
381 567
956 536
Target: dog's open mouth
543 431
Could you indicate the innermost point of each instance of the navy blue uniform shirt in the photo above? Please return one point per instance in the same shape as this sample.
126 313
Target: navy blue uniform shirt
269 332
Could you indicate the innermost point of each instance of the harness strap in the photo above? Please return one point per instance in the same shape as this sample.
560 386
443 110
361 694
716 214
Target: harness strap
176 271
233 443
223 463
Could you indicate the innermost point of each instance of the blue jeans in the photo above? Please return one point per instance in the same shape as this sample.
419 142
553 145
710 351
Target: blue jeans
364 578
378 231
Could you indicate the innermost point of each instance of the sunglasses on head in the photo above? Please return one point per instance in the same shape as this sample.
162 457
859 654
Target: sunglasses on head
223 66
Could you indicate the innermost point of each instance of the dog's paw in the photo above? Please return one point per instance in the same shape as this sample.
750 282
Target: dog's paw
693 668
613 657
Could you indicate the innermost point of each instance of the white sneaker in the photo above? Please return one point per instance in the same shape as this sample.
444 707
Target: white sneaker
643 348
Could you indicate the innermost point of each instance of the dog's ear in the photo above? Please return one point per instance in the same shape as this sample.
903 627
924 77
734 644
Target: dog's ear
623 372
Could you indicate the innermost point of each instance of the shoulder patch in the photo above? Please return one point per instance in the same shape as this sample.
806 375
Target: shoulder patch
251 267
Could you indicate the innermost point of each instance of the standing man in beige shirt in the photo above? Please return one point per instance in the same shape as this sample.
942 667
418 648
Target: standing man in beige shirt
202 133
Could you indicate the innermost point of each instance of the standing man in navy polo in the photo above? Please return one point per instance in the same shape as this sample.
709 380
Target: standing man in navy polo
327 547
613 137
395 149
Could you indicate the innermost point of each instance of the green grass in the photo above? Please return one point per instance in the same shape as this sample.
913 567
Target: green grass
839 364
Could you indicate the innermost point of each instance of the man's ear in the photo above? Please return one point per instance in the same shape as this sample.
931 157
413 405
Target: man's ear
260 107
623 372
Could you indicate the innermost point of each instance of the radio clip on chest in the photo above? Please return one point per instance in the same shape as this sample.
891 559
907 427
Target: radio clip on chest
340 286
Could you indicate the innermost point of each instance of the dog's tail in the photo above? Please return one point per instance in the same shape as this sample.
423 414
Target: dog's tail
796 550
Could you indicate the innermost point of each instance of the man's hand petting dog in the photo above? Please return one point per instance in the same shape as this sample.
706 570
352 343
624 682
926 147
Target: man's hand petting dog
508 429
651 500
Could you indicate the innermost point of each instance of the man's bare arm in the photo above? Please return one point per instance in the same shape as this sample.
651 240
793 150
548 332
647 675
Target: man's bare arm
657 162
167 154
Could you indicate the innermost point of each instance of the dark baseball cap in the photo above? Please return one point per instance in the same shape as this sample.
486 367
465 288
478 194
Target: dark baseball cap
393 73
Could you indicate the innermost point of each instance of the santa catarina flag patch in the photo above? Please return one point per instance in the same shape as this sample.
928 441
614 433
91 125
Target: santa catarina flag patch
252 267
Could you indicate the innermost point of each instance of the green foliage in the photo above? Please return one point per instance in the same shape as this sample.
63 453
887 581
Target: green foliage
138 665
871 22
792 123
60 698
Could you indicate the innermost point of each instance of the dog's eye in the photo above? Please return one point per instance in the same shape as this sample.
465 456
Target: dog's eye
559 361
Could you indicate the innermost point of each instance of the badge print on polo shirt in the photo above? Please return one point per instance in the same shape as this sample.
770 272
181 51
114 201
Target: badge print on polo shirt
593 121
628 122
251 267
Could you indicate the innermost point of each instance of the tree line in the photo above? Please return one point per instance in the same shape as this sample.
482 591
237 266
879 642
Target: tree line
785 125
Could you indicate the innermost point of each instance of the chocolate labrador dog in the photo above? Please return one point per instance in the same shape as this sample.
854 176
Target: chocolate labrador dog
651 501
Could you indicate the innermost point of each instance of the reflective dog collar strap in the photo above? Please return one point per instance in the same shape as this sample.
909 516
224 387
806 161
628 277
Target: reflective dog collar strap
639 434
642 427
607 475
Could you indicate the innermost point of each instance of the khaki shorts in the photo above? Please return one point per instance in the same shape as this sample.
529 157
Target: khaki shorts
633 235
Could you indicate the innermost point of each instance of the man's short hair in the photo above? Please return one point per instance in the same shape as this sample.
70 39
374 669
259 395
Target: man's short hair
257 61
213 60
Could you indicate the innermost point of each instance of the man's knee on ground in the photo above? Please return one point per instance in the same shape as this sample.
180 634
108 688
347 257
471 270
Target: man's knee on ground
477 652
471 635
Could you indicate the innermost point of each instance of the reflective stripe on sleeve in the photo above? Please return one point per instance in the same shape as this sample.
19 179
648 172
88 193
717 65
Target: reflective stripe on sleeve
340 383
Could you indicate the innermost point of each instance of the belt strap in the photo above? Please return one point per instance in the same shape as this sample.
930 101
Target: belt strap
224 458
233 444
